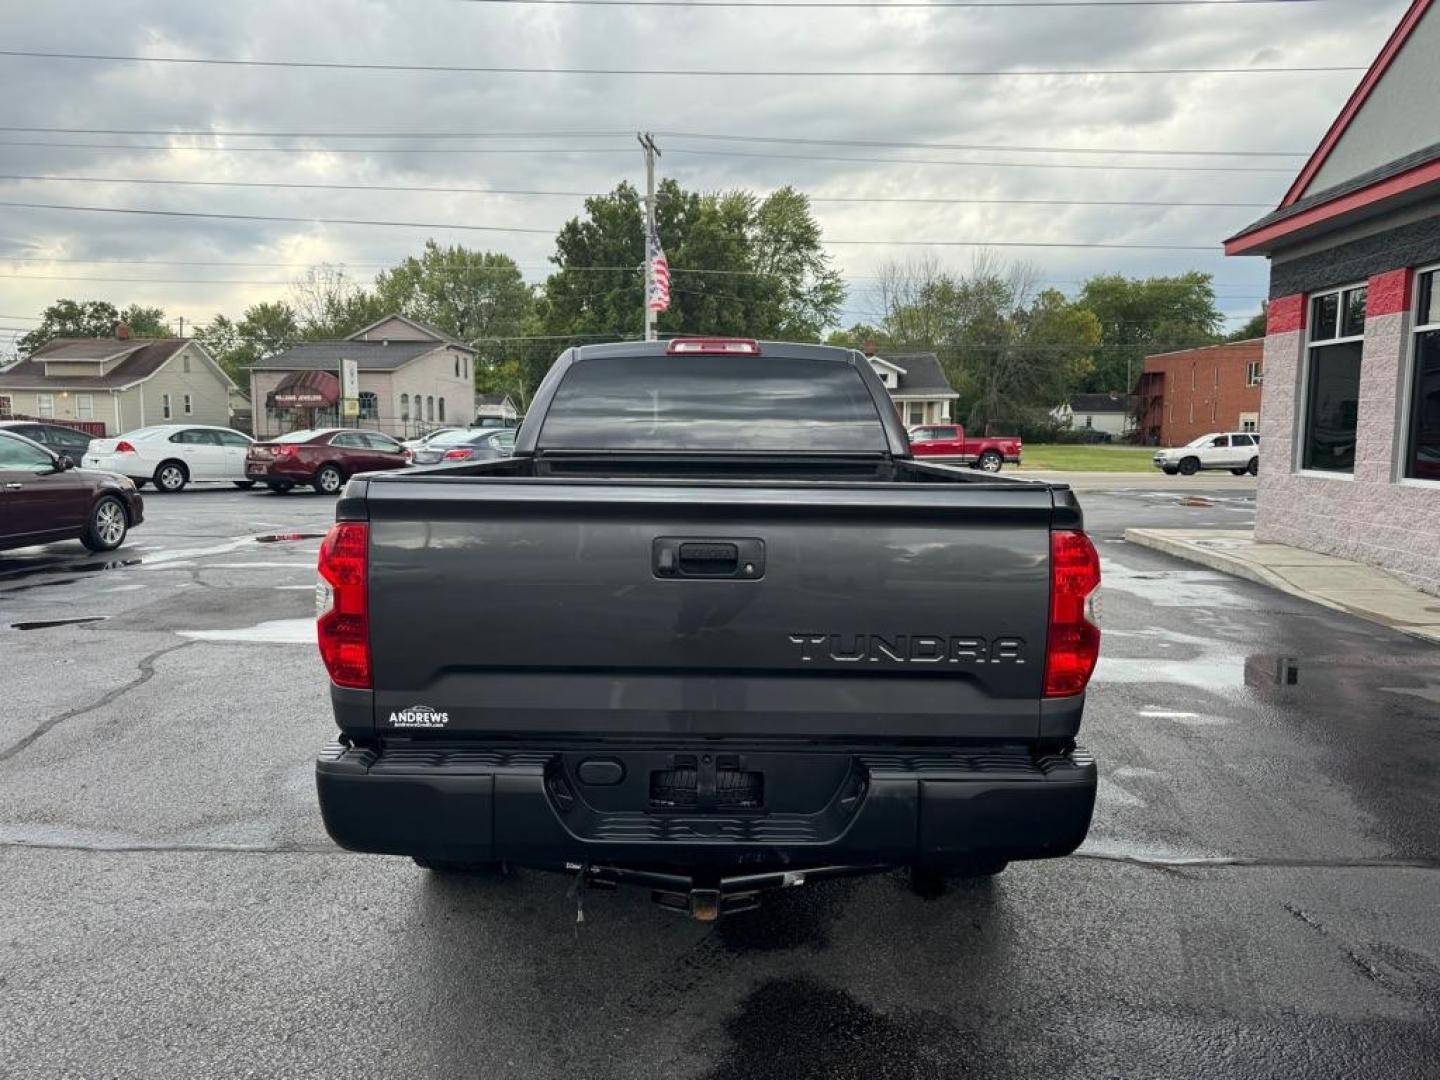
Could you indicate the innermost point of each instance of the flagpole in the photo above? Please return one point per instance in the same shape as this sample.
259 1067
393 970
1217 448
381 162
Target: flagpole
647 143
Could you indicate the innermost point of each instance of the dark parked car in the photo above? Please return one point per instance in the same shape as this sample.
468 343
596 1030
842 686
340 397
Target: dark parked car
324 459
44 498
57 437
481 444
736 636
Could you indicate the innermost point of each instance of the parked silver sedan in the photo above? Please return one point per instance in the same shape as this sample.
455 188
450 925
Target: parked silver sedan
477 444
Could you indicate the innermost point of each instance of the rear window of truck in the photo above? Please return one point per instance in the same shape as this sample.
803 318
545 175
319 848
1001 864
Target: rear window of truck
720 403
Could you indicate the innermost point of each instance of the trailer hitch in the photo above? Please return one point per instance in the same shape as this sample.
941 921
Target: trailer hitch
706 897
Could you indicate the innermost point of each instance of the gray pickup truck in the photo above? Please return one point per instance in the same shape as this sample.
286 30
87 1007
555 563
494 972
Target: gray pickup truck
709 630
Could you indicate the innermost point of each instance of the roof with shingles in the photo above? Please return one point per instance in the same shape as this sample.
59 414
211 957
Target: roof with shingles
923 374
146 358
368 355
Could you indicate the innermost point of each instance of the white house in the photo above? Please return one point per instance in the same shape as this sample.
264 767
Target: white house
1109 414
494 407
917 385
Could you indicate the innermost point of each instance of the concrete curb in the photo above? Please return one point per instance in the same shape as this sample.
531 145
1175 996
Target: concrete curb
1188 544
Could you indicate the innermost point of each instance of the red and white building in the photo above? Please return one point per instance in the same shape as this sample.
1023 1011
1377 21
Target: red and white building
1350 414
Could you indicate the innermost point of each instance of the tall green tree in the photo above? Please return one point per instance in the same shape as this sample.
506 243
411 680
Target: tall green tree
92 319
264 330
1139 316
475 296
739 265
1254 327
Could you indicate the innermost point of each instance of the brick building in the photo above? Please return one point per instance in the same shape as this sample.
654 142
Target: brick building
1183 395
1351 410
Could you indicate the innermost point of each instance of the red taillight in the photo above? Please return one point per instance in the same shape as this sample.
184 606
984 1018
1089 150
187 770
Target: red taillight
1073 644
285 450
342 604
714 346
123 447
460 453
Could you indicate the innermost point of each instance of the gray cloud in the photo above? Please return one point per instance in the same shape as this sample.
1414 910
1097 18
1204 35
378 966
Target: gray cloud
1244 112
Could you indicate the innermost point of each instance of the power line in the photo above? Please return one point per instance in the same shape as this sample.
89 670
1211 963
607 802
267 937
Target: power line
1093 166
925 199
489 69
1000 5
418 136
694 151
371 222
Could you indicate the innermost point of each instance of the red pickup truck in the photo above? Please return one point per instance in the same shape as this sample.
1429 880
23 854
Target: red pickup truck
949 441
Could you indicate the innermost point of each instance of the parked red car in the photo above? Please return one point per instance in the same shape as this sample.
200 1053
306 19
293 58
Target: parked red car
949 441
323 459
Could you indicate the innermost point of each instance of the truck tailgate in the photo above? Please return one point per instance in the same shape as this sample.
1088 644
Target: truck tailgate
840 611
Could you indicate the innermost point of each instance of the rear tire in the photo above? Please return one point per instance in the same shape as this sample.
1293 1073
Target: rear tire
243 485
457 866
927 880
171 477
1254 467
107 525
1189 466
1171 470
990 462
329 480
1238 472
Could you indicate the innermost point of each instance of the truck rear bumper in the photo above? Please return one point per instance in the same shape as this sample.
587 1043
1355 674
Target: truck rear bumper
870 808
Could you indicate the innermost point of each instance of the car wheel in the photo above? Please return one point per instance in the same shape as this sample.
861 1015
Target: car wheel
139 482
1254 467
990 461
243 485
280 489
457 866
328 480
1238 472
108 523
1171 470
1189 466
927 880
171 477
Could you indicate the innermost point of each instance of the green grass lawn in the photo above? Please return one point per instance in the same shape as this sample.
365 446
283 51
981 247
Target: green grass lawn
1082 458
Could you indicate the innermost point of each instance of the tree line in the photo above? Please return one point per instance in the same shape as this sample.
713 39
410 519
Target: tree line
741 264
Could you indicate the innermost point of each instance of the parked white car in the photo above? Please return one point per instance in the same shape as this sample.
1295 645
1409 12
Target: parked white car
1238 451
173 455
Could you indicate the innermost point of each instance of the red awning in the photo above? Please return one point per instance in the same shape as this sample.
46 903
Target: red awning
305 390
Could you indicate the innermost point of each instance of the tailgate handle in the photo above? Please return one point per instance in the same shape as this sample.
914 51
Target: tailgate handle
701 557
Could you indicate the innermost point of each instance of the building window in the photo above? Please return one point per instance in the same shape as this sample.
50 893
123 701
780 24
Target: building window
405 408
84 406
165 406
917 414
429 408
369 405
185 364
457 367
442 410
7 406
1250 422
1252 373
1332 381
1422 445
188 405
45 406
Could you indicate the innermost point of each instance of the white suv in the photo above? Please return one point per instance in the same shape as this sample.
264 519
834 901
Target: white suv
1238 451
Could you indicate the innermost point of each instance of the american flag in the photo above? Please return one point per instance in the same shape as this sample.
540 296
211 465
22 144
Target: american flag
658 296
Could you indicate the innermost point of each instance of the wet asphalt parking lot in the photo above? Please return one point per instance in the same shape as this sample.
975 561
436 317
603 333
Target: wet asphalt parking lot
1259 897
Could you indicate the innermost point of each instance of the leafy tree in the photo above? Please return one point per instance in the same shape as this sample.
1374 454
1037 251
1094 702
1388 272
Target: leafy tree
739 265
470 295
1143 316
264 330
92 319
1010 352
328 303
1254 328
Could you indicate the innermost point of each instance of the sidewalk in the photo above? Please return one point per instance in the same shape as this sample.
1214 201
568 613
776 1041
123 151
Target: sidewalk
1322 579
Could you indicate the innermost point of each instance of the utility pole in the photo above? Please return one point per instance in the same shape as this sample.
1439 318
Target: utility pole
647 144
181 320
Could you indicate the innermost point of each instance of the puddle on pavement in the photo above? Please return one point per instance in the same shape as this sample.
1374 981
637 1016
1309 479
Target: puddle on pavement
65 568
283 538
1263 671
46 624
274 632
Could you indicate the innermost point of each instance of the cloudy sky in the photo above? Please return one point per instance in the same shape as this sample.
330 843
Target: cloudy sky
578 127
